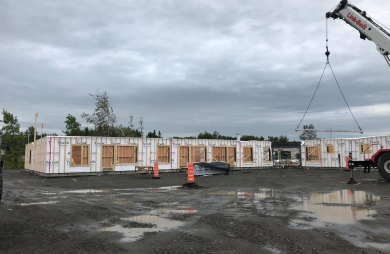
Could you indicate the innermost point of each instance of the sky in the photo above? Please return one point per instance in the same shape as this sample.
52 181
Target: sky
248 66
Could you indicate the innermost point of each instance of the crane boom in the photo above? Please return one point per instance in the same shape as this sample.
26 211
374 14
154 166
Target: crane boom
366 26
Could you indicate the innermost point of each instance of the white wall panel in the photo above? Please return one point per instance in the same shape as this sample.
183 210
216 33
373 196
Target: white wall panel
52 155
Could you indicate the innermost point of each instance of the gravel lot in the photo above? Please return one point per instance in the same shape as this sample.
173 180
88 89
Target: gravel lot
249 211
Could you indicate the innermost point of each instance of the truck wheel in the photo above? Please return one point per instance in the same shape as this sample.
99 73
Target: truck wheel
384 166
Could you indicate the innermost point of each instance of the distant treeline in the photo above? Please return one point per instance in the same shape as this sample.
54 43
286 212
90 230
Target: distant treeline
216 135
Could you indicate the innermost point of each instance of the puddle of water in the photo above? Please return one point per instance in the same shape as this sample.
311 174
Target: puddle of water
339 207
168 203
57 197
273 250
90 191
85 191
165 188
133 234
39 203
122 202
260 194
169 188
380 246
341 210
184 207
172 211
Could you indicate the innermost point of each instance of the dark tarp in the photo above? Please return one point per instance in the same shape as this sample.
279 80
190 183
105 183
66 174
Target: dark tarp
217 167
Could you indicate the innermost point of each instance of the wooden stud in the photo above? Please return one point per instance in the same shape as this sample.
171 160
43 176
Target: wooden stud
59 156
53 143
65 156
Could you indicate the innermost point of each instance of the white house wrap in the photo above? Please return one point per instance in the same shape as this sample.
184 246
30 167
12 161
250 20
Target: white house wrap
66 155
324 152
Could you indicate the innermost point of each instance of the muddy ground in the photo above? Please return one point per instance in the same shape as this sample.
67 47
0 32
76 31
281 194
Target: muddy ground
249 211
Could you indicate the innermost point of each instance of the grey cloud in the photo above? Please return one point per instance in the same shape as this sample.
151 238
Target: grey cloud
189 66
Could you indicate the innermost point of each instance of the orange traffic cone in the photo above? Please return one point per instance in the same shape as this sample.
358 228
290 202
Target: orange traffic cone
190 174
156 174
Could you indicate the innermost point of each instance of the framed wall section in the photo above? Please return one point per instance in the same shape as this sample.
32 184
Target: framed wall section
248 154
126 155
163 154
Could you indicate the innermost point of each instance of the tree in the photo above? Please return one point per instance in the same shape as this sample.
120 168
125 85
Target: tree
252 137
87 132
283 140
214 135
131 122
152 134
159 134
141 121
30 132
103 117
273 139
72 126
13 141
126 131
308 133
206 135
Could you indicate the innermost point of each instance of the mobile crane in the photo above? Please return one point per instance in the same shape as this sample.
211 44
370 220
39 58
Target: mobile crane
368 29
366 26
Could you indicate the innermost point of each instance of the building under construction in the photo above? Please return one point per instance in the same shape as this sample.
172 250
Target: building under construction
326 152
54 155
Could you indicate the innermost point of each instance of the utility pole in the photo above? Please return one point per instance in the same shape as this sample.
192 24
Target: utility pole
41 131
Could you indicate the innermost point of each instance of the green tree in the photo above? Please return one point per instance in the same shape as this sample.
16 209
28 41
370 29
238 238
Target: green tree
13 141
30 132
87 132
103 117
206 135
308 133
72 126
214 135
273 139
152 134
252 137
126 131
281 140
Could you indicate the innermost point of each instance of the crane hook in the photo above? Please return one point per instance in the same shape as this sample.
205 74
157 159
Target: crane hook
327 53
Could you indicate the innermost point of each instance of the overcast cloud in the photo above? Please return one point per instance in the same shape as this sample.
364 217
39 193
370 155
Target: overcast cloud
248 66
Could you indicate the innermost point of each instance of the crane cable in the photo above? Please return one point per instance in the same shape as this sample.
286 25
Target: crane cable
327 53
